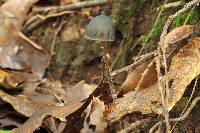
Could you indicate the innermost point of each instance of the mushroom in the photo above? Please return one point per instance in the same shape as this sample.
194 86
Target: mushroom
100 28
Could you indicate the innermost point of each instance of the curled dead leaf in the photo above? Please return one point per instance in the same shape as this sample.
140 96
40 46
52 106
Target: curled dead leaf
134 77
94 117
15 54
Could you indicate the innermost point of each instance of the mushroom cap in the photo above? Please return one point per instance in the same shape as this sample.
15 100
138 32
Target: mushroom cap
100 28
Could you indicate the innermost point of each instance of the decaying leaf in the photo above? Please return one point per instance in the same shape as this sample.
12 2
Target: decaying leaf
134 77
15 54
78 92
9 80
185 66
94 121
37 111
36 120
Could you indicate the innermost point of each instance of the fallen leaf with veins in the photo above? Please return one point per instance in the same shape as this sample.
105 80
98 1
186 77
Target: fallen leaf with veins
134 77
15 54
78 92
36 120
185 66
94 117
36 111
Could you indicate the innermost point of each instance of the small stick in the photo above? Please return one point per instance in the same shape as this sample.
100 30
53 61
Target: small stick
33 23
29 41
55 38
181 118
146 57
77 5
161 89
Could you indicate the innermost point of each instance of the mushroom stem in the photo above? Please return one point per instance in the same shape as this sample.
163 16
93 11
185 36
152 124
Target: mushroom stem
106 69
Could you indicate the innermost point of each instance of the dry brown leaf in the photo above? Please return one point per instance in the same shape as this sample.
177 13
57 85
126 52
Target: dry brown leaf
36 120
9 80
36 111
185 66
134 77
79 92
95 115
15 54
178 34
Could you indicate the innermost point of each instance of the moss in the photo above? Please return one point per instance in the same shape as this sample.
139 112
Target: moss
5 131
158 28
180 20
79 60
62 58
156 31
121 61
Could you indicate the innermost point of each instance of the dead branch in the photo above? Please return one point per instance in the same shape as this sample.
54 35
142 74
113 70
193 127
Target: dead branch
145 58
181 118
37 20
75 6
55 37
29 41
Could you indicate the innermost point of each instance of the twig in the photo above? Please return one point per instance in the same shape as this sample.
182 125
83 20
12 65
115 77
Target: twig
181 118
33 23
29 41
193 91
161 89
189 15
117 56
145 58
77 5
55 38
142 78
170 5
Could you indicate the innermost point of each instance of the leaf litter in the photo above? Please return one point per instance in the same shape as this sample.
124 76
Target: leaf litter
48 102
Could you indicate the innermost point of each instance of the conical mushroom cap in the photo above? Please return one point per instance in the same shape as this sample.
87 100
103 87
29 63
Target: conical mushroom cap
100 28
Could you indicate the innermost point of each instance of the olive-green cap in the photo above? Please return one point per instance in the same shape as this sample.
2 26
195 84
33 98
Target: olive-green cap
100 28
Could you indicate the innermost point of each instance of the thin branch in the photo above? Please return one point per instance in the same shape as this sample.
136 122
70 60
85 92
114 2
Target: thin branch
171 5
181 118
55 37
33 22
77 5
142 78
145 58
29 41
161 89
